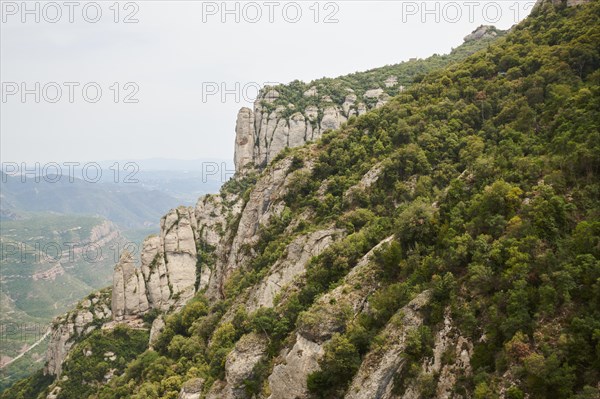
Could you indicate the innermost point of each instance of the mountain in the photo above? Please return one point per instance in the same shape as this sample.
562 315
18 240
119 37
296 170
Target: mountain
49 262
292 115
444 244
129 205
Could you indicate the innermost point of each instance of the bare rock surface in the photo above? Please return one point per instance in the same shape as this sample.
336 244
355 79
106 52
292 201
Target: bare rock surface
374 379
66 328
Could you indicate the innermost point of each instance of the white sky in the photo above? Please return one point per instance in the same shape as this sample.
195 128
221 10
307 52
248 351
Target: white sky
171 52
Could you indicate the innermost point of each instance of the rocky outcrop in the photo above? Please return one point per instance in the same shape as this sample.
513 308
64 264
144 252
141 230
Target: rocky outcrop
158 325
87 316
179 246
244 134
451 344
288 268
316 326
239 367
167 276
264 202
374 378
155 275
288 379
365 182
449 362
191 389
483 31
262 133
129 297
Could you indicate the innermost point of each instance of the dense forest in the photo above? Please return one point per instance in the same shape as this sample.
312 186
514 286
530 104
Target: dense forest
488 182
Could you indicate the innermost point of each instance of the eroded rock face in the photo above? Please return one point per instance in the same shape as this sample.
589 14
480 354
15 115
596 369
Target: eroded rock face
88 314
482 31
244 138
262 133
367 181
129 289
179 244
374 378
326 317
154 271
191 389
449 342
239 367
167 276
158 325
265 201
288 379
288 268
211 217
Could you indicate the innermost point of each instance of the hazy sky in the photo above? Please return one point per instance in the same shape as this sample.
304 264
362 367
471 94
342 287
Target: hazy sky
181 51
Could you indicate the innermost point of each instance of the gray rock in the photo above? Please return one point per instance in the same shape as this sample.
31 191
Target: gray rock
244 138
154 271
80 321
178 240
158 325
239 367
482 31
129 289
262 133
373 93
257 211
288 268
374 378
312 92
327 316
191 389
391 81
288 379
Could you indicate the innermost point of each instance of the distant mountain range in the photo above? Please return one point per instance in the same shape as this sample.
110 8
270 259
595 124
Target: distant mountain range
137 197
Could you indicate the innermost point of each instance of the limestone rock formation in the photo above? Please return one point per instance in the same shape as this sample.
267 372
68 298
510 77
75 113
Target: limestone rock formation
447 341
129 289
264 202
482 31
154 271
285 270
167 276
262 133
316 327
191 389
288 379
179 245
244 132
87 315
158 326
374 378
239 367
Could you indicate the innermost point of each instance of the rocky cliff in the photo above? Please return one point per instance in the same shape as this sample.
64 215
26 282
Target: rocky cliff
89 315
292 115
263 132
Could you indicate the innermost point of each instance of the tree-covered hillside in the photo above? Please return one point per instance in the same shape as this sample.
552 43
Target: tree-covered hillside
391 79
466 256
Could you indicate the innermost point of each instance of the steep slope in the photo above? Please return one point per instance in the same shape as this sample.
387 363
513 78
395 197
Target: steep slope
48 262
445 244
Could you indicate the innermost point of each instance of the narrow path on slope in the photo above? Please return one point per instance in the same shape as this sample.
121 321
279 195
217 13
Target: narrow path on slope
39 341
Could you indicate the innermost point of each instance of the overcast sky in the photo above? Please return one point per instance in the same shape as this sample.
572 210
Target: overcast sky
178 51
